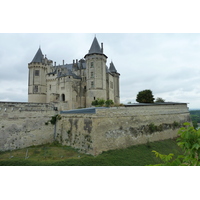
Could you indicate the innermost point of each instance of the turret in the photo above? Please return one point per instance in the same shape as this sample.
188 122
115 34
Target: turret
37 78
115 75
95 73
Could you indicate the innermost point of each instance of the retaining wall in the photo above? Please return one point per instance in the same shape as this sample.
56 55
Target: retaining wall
121 127
23 124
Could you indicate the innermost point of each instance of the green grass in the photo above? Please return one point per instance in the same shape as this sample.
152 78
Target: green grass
57 155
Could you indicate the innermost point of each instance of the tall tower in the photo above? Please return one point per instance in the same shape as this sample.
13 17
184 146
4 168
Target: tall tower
37 78
95 73
116 75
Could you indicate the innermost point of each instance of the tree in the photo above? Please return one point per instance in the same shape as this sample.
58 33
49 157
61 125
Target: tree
145 96
189 142
159 100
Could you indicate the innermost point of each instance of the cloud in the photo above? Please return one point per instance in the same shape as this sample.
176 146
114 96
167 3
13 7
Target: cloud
168 64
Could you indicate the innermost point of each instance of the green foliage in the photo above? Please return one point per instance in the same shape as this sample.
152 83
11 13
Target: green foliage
58 155
55 118
189 142
165 158
195 117
152 128
102 102
109 102
195 124
145 96
159 100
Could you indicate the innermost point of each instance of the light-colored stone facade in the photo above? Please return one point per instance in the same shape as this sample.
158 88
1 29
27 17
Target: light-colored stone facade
75 85
116 128
24 124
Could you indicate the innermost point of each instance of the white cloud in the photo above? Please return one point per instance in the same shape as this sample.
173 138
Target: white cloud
168 64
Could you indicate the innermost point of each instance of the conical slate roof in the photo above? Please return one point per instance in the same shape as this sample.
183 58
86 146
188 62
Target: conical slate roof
112 68
95 48
38 56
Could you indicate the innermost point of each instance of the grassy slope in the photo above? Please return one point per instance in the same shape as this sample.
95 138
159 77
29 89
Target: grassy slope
56 155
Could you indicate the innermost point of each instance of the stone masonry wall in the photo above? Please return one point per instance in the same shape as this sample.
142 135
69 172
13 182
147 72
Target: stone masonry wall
23 125
121 127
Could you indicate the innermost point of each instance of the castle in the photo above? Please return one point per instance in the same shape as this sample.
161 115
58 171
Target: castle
73 85
91 130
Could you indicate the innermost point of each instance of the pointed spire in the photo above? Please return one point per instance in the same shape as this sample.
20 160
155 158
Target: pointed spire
95 48
38 56
112 68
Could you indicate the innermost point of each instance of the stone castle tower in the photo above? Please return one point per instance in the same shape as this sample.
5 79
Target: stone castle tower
73 85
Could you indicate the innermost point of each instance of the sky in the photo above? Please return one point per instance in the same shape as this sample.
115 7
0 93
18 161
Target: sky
166 63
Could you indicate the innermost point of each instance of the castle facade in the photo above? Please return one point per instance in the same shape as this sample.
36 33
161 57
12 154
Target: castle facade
73 85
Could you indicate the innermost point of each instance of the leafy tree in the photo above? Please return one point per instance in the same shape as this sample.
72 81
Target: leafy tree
159 100
189 142
145 96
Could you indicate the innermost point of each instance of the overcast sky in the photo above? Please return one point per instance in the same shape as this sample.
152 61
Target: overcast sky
168 64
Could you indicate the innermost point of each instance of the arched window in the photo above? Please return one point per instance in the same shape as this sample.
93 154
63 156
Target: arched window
63 97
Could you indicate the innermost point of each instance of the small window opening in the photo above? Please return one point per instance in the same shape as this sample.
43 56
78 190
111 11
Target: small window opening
92 84
37 72
91 64
63 97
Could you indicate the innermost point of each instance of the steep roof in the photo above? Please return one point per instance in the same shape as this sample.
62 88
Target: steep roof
38 56
95 48
112 68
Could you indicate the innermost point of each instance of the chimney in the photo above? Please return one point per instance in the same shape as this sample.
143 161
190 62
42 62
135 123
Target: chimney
55 64
63 62
102 47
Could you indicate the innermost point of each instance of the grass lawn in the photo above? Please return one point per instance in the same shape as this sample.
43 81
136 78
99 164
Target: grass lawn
57 155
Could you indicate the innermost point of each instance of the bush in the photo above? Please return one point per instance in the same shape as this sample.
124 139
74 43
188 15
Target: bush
109 102
102 102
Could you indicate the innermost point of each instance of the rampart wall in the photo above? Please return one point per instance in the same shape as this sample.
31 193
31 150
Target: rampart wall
23 124
115 128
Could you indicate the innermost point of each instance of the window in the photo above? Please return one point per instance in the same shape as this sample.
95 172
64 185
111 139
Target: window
50 87
37 72
63 97
92 84
35 88
111 85
92 74
91 64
